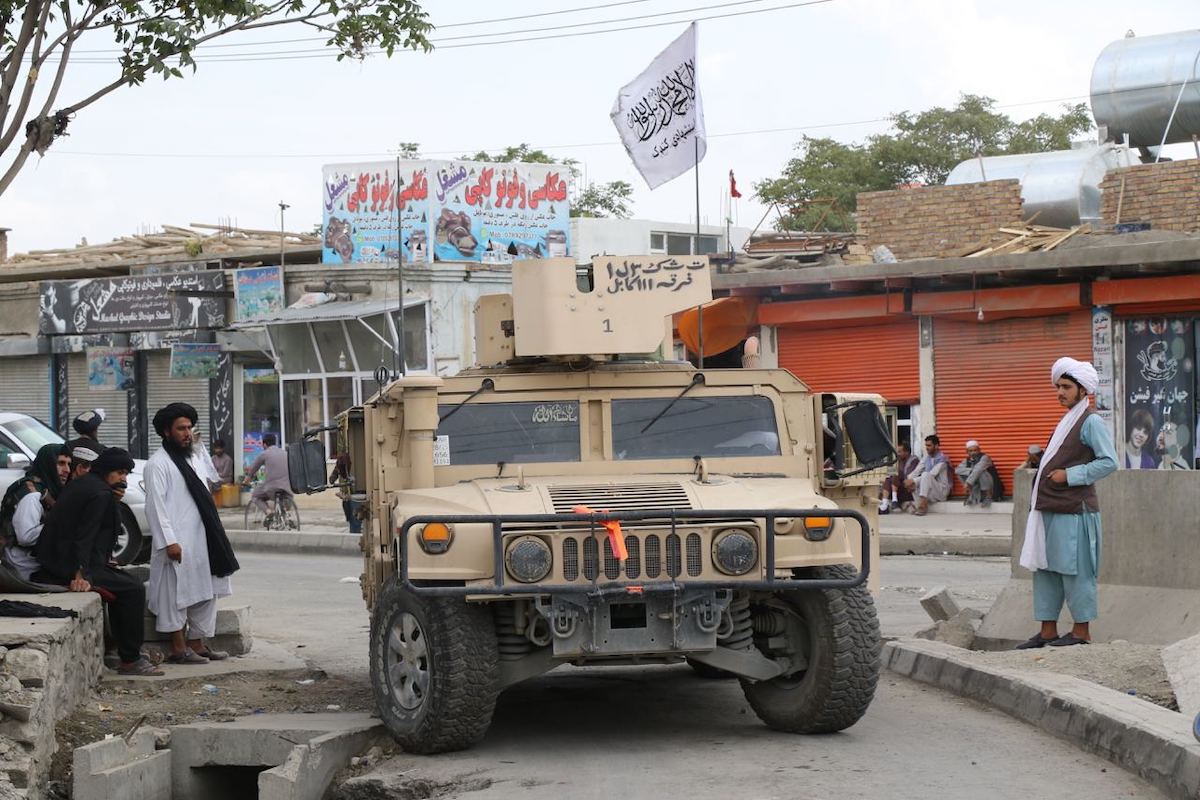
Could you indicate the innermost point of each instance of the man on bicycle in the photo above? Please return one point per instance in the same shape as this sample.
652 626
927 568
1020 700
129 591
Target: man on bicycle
275 460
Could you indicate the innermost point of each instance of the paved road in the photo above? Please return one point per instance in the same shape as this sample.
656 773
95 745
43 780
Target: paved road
663 732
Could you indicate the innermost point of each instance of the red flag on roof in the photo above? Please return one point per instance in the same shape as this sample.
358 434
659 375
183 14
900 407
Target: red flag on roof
733 192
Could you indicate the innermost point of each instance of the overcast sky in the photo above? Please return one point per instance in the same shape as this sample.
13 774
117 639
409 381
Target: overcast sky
236 138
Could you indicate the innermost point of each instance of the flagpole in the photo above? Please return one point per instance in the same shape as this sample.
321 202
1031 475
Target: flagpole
700 308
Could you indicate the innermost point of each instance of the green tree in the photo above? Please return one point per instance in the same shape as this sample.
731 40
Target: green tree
610 199
921 148
527 154
157 38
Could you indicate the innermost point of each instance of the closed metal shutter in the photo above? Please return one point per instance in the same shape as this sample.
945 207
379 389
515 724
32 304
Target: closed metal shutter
992 383
876 359
114 431
162 389
25 386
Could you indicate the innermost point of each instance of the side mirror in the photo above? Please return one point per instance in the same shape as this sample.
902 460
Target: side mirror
306 466
18 461
868 435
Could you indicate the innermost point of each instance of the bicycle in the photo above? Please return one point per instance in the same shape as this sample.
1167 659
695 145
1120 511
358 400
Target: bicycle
282 514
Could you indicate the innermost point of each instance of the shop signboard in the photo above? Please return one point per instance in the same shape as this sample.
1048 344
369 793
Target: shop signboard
258 292
252 445
195 360
182 300
1102 357
111 368
1159 387
451 211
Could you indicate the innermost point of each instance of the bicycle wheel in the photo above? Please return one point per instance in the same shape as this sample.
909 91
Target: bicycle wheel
289 515
254 517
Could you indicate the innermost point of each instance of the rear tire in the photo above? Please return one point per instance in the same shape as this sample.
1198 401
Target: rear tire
434 669
130 540
287 513
842 645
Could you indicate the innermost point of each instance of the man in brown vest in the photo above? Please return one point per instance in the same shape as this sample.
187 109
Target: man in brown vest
1062 534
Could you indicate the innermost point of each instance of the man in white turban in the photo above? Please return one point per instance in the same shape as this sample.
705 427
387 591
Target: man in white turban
979 475
1062 534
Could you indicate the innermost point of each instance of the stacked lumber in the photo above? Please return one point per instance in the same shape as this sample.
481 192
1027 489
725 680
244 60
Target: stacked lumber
1025 238
199 241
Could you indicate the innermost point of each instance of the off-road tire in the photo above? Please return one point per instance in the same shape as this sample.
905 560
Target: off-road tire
131 542
835 690
463 666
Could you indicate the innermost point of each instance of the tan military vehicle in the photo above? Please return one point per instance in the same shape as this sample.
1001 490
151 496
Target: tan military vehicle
574 504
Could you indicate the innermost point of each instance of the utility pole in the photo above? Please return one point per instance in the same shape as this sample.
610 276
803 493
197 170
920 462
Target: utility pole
282 208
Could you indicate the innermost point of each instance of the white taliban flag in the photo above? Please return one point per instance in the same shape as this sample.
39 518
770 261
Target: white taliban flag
659 115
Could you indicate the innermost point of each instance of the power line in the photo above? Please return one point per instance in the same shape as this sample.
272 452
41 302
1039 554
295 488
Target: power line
295 55
575 146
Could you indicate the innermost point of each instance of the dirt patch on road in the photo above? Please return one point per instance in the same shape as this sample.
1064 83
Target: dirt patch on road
1135 669
118 705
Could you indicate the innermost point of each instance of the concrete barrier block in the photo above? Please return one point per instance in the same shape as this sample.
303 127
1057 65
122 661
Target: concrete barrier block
233 620
939 604
138 777
1182 661
28 665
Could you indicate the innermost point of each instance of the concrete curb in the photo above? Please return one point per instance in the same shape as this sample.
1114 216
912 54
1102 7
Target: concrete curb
927 544
301 543
1152 742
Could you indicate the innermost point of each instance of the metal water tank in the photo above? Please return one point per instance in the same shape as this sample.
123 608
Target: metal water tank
1137 81
1062 187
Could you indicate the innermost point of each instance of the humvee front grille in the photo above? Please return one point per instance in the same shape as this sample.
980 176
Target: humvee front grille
694 567
645 557
653 556
633 568
612 567
570 559
591 566
673 569
619 497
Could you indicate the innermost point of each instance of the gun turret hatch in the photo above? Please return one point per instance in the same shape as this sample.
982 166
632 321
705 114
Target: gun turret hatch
627 310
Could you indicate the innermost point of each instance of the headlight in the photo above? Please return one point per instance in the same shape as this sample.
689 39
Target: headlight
735 552
817 529
435 538
528 559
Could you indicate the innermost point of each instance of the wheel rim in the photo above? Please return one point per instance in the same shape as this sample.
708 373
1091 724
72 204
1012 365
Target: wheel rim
408 662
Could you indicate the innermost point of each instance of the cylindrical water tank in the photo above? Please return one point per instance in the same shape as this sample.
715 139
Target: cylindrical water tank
1062 187
1137 81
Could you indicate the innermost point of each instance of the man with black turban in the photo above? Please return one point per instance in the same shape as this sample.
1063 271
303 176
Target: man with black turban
191 559
26 502
75 551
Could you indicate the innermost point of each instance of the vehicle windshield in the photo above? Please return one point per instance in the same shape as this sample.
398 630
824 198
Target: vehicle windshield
32 433
717 427
515 433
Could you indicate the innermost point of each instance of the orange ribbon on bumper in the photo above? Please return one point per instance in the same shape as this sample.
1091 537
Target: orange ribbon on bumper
615 538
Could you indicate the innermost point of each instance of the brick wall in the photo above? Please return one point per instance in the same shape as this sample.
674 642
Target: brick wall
938 221
1167 195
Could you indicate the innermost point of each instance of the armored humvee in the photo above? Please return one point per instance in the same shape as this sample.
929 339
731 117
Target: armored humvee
576 501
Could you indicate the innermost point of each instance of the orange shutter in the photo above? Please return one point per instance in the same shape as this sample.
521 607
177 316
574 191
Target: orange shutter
992 383
878 359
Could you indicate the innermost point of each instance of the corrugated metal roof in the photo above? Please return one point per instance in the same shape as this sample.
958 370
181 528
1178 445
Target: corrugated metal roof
337 309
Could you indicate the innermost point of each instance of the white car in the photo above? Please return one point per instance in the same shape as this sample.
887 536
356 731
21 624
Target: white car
21 436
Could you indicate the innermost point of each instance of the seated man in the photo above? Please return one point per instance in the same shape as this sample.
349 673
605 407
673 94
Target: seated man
223 463
893 494
34 495
978 474
75 551
931 481
276 462
1033 458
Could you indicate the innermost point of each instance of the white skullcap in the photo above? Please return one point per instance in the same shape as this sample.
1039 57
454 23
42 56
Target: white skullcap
1034 449
1081 371
972 443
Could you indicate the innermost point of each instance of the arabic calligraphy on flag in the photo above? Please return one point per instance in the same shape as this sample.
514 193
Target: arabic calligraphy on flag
659 115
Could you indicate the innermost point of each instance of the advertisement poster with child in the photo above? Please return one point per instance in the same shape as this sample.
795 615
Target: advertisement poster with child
1160 387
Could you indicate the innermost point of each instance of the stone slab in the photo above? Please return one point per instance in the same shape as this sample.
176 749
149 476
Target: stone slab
113 769
1182 661
939 604
1150 741
266 657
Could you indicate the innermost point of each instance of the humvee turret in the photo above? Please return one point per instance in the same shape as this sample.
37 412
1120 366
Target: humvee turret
574 500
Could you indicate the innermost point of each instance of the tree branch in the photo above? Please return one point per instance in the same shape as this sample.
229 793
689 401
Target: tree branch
87 101
15 168
13 67
241 26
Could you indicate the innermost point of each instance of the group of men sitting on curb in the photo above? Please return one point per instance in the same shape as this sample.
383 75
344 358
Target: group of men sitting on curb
60 523
918 483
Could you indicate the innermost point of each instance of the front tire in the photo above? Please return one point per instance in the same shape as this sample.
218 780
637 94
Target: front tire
434 669
130 541
838 632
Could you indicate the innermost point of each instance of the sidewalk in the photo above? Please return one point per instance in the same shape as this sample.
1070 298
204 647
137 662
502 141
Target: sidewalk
952 530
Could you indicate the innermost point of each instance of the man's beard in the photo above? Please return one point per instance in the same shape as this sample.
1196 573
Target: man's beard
172 446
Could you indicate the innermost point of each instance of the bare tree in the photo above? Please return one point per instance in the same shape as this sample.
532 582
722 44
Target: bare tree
157 38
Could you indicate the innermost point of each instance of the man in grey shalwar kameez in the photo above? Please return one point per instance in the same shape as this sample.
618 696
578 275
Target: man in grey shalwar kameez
187 574
1062 534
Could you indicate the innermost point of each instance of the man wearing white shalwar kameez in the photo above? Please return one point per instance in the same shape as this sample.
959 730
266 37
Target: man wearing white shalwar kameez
183 591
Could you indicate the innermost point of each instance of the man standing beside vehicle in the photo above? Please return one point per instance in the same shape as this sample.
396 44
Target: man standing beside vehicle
26 503
191 559
1062 535
275 460
75 549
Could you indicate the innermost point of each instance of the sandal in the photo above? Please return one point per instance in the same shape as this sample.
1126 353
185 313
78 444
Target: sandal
212 655
140 667
1068 639
188 656
1035 642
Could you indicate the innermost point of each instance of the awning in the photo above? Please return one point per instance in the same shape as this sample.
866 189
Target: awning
338 309
727 322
